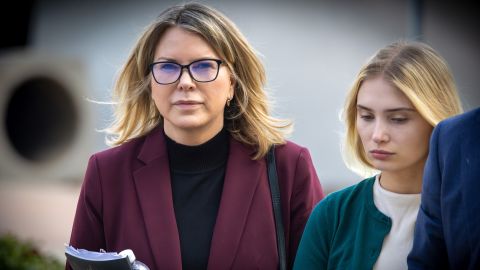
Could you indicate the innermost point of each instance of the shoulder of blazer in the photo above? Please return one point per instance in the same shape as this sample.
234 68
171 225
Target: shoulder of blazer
460 124
289 154
129 150
289 149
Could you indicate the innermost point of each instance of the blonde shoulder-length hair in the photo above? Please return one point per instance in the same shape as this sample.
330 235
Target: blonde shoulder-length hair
247 118
420 73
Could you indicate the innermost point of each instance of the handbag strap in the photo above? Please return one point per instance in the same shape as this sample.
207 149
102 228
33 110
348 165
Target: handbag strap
277 209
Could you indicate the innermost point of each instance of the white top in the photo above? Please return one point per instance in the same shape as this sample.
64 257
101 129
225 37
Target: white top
402 210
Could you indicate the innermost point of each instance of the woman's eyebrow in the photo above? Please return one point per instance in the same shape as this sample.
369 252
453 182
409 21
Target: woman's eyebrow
388 110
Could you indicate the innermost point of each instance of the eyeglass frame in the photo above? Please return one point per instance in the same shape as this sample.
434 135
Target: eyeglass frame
182 67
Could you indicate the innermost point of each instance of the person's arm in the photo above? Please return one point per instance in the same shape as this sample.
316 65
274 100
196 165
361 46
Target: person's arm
429 251
307 192
87 230
314 248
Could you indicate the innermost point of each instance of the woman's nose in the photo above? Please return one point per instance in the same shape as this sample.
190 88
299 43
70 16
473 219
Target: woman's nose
380 133
186 82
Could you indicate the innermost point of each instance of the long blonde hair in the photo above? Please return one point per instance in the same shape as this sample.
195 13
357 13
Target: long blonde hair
247 118
420 73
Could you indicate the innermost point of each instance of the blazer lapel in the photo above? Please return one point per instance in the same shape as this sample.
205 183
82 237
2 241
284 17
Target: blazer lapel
155 196
241 179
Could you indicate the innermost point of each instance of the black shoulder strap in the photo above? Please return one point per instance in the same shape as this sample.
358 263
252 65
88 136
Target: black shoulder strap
277 209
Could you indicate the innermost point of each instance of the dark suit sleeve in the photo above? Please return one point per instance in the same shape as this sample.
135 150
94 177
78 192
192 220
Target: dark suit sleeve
87 231
429 251
307 192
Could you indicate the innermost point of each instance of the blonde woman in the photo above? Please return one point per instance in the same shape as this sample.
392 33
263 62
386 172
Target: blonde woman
185 186
396 100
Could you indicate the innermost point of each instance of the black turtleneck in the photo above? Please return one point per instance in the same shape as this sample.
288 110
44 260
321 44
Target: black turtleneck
197 174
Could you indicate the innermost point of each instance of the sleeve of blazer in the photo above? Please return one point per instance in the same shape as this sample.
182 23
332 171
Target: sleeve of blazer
306 193
429 251
314 247
87 230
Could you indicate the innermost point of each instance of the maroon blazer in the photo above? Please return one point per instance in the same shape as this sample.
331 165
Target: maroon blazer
126 203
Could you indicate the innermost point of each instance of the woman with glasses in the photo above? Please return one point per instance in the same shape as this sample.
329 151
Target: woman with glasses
396 100
186 186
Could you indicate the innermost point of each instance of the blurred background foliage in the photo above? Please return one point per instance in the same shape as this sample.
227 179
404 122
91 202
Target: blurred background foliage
16 254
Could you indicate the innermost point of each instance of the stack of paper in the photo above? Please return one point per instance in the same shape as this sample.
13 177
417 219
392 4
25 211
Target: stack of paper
81 259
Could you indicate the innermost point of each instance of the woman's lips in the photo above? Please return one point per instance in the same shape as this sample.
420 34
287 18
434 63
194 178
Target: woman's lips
187 104
381 154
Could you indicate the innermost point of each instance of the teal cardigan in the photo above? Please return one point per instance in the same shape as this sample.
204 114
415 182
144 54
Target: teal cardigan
344 231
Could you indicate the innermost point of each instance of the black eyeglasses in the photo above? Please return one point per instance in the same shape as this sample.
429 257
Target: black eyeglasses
168 72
